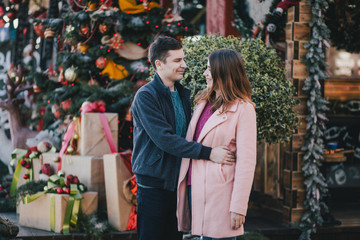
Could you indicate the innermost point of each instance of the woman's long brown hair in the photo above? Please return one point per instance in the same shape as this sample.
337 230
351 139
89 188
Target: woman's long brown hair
229 78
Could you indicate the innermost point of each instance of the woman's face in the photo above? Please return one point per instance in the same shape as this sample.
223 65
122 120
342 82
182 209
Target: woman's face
207 74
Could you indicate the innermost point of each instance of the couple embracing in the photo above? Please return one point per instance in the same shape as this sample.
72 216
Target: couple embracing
194 173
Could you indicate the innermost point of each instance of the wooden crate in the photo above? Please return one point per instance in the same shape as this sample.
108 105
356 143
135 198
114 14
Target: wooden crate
293 179
294 198
299 85
295 69
292 215
297 142
300 13
292 160
295 50
268 169
302 127
297 31
301 108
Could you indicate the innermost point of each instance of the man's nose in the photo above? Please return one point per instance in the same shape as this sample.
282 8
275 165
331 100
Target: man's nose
183 64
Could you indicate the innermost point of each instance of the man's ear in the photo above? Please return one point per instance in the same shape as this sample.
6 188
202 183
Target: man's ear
158 64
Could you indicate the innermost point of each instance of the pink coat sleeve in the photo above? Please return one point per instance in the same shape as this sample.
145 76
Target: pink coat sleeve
245 159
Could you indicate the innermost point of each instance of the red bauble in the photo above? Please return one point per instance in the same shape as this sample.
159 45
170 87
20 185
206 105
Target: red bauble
59 190
66 104
76 180
101 62
67 190
103 28
27 166
23 163
46 169
84 30
26 176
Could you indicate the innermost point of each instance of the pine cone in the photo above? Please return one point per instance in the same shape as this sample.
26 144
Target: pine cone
8 229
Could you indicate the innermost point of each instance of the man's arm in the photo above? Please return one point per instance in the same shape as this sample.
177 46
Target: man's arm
147 112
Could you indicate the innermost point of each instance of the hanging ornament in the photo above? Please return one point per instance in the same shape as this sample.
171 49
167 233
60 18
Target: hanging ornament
116 42
92 6
36 88
130 6
83 48
271 27
66 105
49 33
93 82
103 28
70 74
101 62
84 30
169 17
114 71
126 50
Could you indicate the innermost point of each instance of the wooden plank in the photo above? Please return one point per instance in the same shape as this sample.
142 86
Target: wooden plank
297 31
292 215
295 50
294 198
342 89
297 142
292 160
272 180
299 70
300 13
293 179
295 69
259 179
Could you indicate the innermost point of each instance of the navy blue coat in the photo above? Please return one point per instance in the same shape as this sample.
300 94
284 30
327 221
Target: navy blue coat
157 149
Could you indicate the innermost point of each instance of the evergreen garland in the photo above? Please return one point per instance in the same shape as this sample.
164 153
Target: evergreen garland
315 184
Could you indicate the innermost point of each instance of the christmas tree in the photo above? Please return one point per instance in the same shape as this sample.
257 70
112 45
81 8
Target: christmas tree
102 55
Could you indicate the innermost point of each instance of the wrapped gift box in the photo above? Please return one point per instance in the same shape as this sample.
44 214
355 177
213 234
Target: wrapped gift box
118 208
89 170
93 141
36 214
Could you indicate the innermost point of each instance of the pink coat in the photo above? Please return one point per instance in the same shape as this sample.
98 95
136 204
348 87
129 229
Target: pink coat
219 189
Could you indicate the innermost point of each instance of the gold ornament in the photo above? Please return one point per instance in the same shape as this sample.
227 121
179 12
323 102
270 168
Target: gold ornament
115 71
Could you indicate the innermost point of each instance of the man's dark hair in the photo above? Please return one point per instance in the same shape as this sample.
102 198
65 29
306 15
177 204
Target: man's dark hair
160 47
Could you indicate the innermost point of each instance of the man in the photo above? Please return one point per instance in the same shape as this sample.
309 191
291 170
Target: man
161 113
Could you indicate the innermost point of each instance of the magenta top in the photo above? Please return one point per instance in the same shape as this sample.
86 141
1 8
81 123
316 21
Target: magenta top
205 115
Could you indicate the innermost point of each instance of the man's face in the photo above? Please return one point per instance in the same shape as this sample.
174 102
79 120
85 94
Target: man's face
174 66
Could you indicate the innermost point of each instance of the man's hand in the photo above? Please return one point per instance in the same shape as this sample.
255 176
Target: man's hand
222 154
236 220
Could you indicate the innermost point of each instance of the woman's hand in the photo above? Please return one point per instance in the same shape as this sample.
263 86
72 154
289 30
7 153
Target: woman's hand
236 220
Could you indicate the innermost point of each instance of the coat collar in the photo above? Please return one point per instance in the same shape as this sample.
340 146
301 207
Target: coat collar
215 119
161 87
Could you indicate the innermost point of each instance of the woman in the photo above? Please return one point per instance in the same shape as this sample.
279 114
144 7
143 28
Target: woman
224 115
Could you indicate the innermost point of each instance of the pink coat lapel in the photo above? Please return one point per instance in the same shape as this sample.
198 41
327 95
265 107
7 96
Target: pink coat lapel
215 119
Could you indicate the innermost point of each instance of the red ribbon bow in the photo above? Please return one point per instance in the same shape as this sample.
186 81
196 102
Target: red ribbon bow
98 106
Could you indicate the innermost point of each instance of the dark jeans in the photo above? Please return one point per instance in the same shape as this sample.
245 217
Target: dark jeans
156 216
